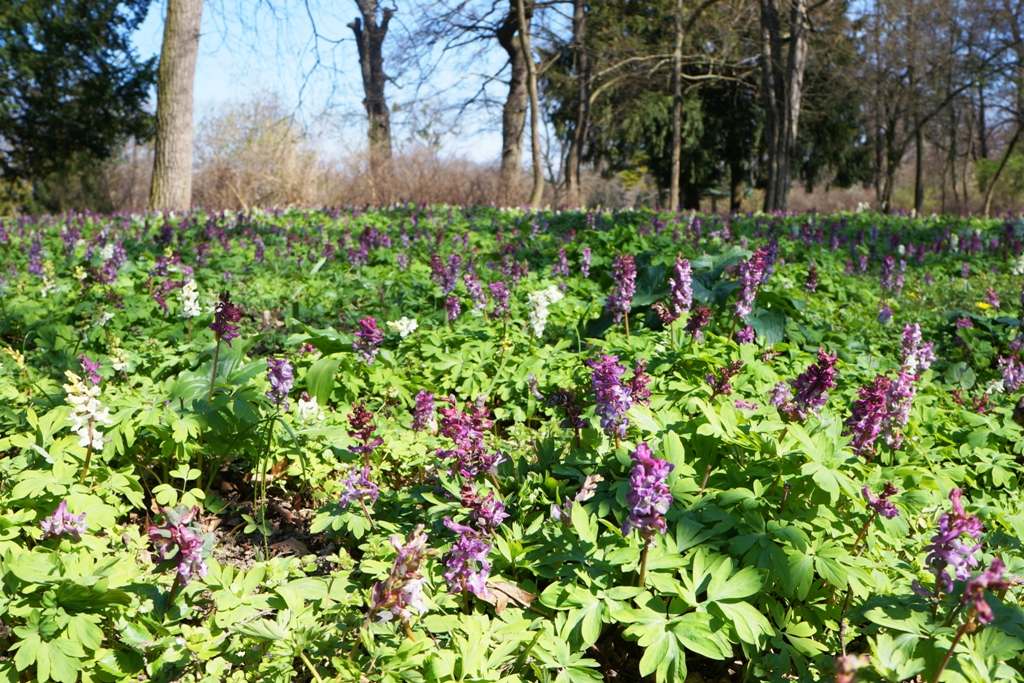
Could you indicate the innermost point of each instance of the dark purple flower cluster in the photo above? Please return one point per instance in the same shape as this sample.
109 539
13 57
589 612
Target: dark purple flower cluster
224 315
811 283
585 263
361 429
680 287
356 486
992 297
279 374
962 323
566 400
810 389
468 568
948 549
700 316
367 339
884 313
91 369
751 275
445 276
401 594
620 302
649 497
721 383
466 430
476 291
881 503
61 522
452 308
560 268
486 513
991 579
612 396
178 540
423 413
885 273
500 295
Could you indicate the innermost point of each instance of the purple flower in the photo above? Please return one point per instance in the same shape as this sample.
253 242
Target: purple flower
423 413
466 430
486 513
917 356
402 261
928 279
947 548
620 302
867 415
811 386
751 274
992 297
990 579
964 322
900 279
566 400
279 374
560 268
357 486
700 316
897 408
613 398
965 270
91 368
721 383
500 295
585 262
811 284
452 308
746 335
445 276
401 594
476 291
361 429
680 286
782 397
649 497
178 539
1013 372
885 281
740 404
563 513
884 313
467 563
368 339
224 314
881 503
61 522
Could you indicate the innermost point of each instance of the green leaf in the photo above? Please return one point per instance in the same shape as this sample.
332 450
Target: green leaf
320 379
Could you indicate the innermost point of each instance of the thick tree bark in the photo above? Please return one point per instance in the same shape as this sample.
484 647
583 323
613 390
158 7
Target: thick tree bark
537 194
369 41
677 110
783 90
574 157
171 187
513 117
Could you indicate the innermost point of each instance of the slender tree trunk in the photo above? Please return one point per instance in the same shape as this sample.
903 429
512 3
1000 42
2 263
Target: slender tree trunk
513 117
574 158
783 91
677 110
982 130
918 169
171 186
735 184
990 190
369 41
537 194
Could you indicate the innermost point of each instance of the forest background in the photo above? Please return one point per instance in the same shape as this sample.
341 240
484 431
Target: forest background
722 105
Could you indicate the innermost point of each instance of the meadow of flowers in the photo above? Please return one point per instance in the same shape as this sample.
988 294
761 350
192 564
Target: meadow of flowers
436 444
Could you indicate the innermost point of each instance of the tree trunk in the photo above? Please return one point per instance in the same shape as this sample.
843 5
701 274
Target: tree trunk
369 41
782 92
513 116
574 157
990 190
918 170
735 184
982 130
537 194
171 187
677 110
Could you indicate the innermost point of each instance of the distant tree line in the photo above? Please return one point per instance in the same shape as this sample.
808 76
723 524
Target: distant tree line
707 97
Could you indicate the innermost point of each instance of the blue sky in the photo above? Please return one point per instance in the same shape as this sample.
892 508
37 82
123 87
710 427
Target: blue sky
246 49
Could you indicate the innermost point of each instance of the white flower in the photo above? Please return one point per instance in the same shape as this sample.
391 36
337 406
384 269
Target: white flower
103 318
539 302
403 327
1018 266
86 412
308 409
189 297
954 242
901 250
995 387
107 252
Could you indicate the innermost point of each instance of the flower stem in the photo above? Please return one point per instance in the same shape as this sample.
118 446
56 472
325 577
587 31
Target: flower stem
88 457
626 319
213 376
956 641
367 513
643 561
175 587
309 665
704 481
860 536
408 631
